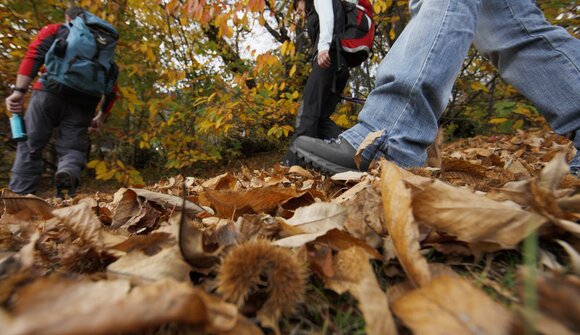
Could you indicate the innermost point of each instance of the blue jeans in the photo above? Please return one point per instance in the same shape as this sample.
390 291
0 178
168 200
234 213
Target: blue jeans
415 79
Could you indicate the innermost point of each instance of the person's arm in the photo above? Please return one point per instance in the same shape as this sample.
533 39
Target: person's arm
15 100
30 65
107 105
326 27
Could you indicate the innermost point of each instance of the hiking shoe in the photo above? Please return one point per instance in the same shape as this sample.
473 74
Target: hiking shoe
330 157
290 160
575 165
65 184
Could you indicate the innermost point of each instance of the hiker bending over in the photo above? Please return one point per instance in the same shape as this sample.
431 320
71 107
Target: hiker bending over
414 81
78 70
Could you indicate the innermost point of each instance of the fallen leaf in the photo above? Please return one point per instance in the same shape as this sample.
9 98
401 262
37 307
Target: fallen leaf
365 144
320 216
352 192
107 307
30 204
340 240
313 221
232 204
140 267
365 218
224 181
401 225
355 275
349 176
573 255
82 221
557 297
450 305
300 171
473 218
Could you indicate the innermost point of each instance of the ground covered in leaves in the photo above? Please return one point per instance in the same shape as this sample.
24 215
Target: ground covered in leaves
484 242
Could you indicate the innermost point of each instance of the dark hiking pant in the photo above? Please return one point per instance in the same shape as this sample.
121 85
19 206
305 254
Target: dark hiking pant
47 111
321 95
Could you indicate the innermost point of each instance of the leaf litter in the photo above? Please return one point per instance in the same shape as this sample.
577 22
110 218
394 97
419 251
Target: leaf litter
425 251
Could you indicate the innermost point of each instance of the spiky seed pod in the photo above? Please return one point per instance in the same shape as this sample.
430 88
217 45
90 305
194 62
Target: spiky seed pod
258 270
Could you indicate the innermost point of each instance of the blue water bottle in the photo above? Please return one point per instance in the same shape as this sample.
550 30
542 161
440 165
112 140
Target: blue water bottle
18 128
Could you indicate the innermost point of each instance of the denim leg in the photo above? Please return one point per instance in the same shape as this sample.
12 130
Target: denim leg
72 138
414 81
40 118
541 60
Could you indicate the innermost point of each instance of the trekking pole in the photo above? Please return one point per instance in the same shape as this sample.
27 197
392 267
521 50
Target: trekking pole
354 99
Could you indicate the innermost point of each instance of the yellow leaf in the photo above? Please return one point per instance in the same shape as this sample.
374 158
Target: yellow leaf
292 70
498 120
92 164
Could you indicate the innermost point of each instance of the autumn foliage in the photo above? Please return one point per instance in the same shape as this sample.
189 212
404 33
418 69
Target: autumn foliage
204 81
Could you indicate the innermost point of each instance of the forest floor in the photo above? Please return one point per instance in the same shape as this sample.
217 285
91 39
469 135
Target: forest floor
483 242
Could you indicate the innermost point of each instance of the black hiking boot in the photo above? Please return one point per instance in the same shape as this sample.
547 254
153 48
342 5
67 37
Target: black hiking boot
329 157
290 160
65 184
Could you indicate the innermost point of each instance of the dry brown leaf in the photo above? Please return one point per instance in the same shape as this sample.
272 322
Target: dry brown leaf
473 218
320 259
394 292
127 207
401 225
111 307
300 171
450 305
349 176
232 204
27 206
570 203
170 202
365 144
365 217
544 324
340 240
257 226
355 275
140 267
320 216
353 191
573 255
313 221
557 297
134 208
518 170
224 181
434 151
150 244
82 221
553 172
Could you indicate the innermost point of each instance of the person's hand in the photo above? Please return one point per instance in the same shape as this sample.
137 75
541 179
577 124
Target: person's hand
14 102
97 122
323 59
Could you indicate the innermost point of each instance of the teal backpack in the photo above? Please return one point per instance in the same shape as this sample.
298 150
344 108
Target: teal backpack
84 60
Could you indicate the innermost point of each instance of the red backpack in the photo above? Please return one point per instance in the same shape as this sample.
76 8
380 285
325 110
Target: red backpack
357 35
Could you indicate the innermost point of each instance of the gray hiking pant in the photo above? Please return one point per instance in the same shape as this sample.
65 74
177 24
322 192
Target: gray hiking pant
47 111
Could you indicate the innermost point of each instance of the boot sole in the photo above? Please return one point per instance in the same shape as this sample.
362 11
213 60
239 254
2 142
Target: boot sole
318 163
